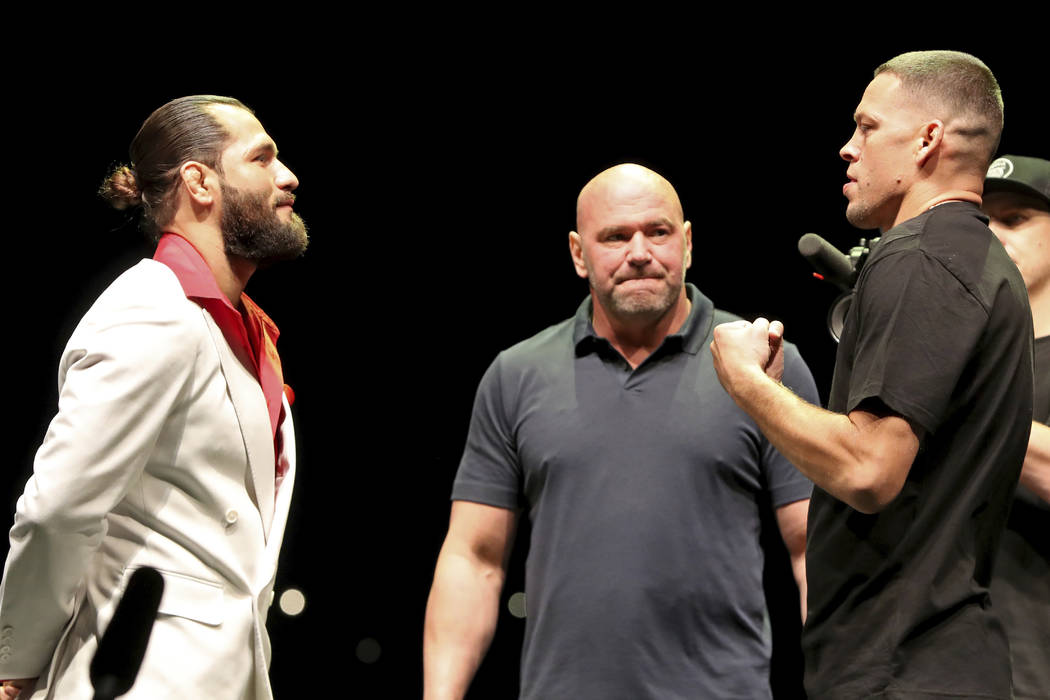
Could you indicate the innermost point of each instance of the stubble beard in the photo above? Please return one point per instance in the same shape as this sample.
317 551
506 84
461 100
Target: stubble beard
252 230
856 214
868 210
860 214
642 303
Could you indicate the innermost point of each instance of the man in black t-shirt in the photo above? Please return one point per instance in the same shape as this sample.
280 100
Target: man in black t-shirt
916 461
1017 201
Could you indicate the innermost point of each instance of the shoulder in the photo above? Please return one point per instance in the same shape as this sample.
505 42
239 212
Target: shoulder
797 375
531 366
143 316
148 286
957 235
149 280
543 349
723 316
951 250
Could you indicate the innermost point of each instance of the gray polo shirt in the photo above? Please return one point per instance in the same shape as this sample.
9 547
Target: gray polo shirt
644 489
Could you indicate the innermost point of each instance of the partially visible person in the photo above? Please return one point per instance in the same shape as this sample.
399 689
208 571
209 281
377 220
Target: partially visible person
1017 201
915 464
173 445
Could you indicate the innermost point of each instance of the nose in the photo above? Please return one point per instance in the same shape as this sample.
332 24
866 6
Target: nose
638 249
849 152
285 178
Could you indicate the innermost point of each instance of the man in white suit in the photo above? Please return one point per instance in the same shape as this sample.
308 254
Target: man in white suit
173 445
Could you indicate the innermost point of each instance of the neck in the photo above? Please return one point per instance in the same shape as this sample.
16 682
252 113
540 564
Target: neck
920 200
636 338
231 273
945 181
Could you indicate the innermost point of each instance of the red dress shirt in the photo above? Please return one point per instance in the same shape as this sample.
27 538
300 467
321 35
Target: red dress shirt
251 334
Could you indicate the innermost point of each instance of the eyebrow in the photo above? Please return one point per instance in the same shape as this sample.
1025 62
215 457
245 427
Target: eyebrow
267 146
861 114
654 223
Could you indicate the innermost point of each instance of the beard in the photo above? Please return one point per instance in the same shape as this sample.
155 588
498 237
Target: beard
252 230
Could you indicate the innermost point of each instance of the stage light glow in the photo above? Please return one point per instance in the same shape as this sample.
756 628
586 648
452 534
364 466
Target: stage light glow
368 651
516 604
292 602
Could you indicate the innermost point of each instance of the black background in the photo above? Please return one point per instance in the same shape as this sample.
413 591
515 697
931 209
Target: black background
438 177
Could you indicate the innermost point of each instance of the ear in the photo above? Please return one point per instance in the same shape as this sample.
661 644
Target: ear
688 229
199 182
576 251
930 137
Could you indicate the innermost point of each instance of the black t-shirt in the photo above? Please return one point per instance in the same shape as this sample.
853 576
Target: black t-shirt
939 332
1041 402
1021 587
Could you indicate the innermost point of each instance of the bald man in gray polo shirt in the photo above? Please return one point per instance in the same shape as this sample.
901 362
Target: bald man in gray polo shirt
642 480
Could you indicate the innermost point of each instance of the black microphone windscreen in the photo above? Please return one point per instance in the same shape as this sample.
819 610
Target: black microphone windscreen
826 259
123 644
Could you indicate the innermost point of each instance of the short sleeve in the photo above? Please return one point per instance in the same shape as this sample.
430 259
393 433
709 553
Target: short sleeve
785 483
917 327
489 471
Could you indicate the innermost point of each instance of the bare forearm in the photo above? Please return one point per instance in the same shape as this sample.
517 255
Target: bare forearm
861 458
798 567
1036 472
849 456
460 621
792 519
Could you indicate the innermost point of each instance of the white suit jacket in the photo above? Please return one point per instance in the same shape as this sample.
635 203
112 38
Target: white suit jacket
161 454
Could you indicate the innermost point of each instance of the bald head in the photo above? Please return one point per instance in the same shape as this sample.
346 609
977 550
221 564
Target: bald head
633 246
623 185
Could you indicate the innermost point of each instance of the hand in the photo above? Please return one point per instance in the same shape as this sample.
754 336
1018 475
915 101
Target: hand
741 347
775 365
9 690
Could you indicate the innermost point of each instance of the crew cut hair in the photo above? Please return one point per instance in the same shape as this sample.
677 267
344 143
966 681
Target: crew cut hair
960 83
182 130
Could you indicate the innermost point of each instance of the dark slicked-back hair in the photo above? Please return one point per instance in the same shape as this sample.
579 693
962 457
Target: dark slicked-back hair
181 130
960 84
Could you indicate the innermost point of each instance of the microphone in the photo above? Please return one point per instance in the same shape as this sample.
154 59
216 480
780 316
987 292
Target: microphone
120 651
839 269
833 265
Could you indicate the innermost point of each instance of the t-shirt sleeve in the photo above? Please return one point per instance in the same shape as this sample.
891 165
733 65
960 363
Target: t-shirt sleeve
489 471
917 328
785 483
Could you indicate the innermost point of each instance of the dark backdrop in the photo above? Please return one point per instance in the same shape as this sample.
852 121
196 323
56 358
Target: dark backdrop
439 182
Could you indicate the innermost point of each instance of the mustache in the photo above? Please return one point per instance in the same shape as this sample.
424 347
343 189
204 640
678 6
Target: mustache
287 199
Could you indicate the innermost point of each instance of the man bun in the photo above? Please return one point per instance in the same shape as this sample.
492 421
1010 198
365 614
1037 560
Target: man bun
121 189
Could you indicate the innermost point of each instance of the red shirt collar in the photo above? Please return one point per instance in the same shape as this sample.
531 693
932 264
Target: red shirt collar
252 335
199 283
190 268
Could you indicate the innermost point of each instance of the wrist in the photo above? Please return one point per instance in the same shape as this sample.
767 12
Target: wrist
747 384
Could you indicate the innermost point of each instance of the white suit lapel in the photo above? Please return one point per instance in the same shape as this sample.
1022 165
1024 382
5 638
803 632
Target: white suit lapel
284 495
248 401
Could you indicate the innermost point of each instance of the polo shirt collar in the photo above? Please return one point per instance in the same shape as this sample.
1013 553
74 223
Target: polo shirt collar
689 338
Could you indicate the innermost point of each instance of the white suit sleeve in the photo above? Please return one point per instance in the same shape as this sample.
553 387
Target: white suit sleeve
127 364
